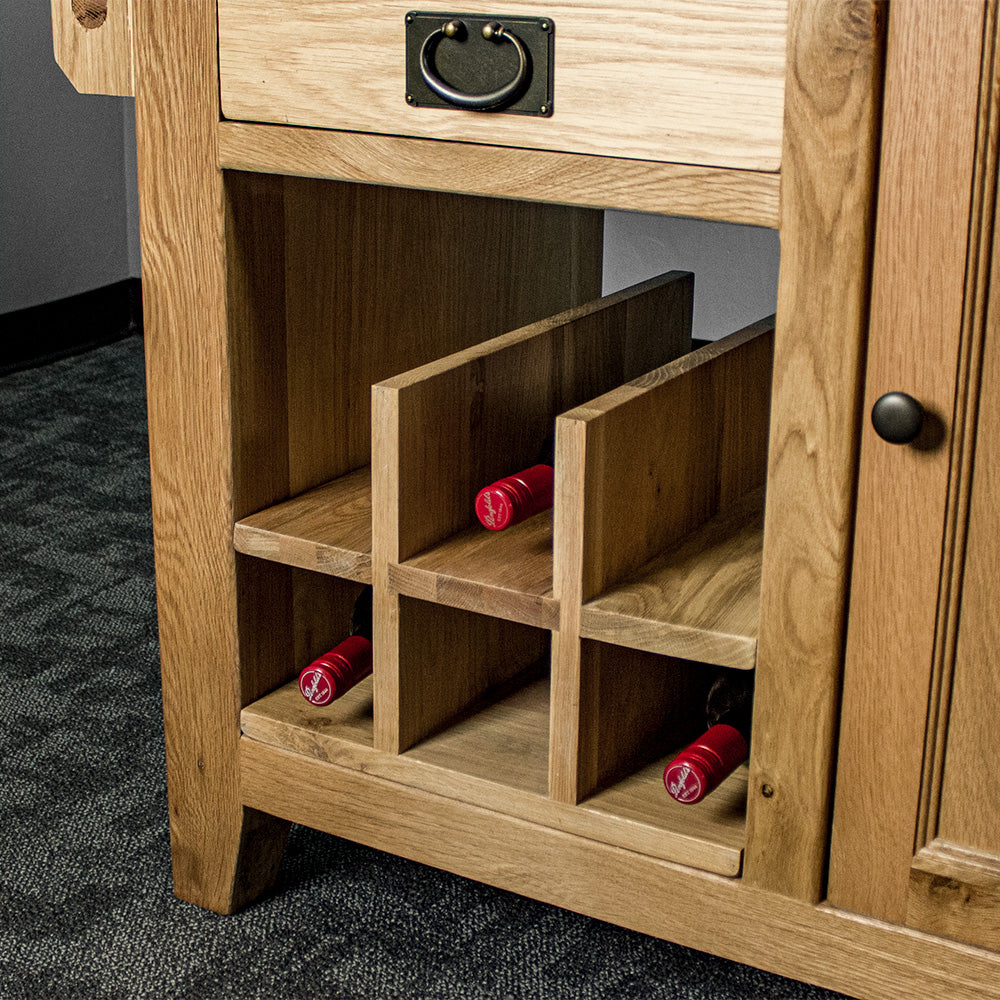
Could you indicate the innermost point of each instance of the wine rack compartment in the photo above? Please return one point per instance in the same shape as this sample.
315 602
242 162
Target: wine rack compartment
514 669
445 430
546 670
661 504
299 615
637 710
480 707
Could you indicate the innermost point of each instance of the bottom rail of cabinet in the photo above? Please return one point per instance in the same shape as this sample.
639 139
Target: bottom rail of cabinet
817 944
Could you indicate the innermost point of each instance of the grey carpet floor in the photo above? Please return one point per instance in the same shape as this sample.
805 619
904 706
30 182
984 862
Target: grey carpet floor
86 909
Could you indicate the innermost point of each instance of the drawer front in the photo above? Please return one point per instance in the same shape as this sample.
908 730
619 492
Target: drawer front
687 81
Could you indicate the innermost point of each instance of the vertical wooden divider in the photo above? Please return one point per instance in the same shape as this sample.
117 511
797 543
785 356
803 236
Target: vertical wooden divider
696 430
446 429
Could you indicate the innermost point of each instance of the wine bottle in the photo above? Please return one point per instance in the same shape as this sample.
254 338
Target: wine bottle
515 498
701 767
338 670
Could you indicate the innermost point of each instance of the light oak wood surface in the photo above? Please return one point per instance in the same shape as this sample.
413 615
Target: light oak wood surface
634 707
859 956
286 269
223 854
379 280
327 529
970 784
689 81
828 174
955 892
92 43
699 600
506 573
492 406
443 431
744 196
638 469
495 757
928 150
667 452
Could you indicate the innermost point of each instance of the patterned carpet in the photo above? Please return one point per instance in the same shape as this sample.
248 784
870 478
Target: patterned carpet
87 910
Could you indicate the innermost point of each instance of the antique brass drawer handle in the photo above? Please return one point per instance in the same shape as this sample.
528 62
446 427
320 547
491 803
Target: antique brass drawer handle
492 31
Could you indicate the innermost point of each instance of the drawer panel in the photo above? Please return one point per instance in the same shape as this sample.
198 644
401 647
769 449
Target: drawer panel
687 81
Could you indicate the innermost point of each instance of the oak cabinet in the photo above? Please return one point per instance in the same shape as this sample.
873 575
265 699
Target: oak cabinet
357 311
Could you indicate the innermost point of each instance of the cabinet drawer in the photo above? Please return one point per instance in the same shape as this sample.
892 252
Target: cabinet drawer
688 81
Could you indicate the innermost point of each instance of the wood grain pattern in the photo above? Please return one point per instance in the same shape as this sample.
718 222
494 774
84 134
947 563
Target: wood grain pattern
636 470
223 854
979 306
828 172
495 757
970 783
668 451
380 280
447 661
94 53
227 335
864 958
328 529
699 600
915 331
743 196
691 81
567 573
492 405
634 707
506 573
955 892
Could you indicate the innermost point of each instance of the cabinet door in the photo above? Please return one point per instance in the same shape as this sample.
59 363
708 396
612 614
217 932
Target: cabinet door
955 877
916 802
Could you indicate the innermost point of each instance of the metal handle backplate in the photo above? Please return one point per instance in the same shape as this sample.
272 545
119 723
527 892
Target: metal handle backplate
476 62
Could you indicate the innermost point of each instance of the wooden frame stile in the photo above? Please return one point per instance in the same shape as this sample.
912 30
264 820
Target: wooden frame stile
223 853
828 179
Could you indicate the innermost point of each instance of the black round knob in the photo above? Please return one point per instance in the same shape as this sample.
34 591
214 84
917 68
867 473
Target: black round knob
897 417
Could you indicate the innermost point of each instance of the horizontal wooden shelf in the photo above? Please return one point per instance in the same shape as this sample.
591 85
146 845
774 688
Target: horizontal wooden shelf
508 737
507 574
699 600
327 529
749 197
497 758
340 732
719 819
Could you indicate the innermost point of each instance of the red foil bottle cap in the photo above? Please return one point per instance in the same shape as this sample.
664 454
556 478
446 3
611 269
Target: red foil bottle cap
336 672
702 766
513 499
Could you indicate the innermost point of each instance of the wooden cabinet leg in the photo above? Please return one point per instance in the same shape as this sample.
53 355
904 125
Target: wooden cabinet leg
224 858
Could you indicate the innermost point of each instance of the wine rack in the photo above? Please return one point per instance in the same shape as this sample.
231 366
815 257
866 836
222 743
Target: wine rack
473 653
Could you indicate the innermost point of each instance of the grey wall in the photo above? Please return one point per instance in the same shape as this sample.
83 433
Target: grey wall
735 267
68 206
